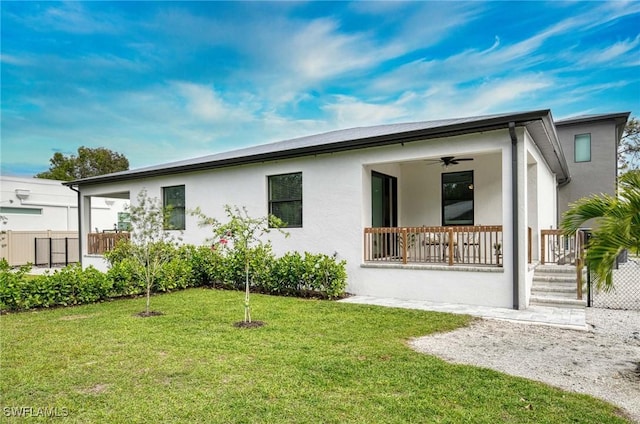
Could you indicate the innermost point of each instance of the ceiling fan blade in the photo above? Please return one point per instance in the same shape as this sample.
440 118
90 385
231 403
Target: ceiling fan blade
461 159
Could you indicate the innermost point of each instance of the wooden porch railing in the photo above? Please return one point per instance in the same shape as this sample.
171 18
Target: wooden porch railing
557 248
561 249
468 245
99 243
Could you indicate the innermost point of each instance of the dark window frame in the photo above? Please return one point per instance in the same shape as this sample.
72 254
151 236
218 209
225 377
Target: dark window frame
294 201
442 198
172 210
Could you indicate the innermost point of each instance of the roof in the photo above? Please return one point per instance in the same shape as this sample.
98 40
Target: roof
620 118
539 123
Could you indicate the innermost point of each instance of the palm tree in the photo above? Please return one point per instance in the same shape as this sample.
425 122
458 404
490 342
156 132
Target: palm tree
617 226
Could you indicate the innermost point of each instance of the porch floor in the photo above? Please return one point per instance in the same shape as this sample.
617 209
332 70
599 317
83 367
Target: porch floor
571 318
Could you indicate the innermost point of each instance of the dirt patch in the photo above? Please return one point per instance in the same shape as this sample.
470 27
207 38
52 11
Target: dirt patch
602 362
95 390
145 314
74 317
252 324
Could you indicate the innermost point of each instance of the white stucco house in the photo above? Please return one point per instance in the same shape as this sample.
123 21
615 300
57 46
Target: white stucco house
447 211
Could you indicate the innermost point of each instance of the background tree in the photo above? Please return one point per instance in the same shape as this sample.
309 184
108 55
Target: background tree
629 148
617 226
89 162
151 246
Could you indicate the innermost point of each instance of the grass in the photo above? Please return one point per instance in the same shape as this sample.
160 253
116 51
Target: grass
313 361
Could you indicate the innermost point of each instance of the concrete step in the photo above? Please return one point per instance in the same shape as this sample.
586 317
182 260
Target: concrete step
549 288
569 294
555 269
557 302
546 278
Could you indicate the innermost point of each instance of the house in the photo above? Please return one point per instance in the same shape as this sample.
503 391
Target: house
452 210
41 208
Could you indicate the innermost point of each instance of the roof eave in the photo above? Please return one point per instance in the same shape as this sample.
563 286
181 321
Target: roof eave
519 119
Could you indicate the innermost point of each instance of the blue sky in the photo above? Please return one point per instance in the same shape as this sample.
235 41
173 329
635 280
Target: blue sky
164 81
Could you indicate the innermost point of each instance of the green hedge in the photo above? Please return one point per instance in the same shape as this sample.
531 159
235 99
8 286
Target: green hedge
69 286
291 275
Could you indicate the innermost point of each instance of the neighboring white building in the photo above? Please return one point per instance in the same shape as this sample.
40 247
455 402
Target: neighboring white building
41 225
35 204
446 211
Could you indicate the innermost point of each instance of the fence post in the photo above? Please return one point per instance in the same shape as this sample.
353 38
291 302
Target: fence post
543 243
404 246
451 241
589 296
579 262
66 251
35 251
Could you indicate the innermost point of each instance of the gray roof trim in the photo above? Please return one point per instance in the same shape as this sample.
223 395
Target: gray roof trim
338 141
618 116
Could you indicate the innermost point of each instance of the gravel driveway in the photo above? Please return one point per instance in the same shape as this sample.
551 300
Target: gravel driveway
603 362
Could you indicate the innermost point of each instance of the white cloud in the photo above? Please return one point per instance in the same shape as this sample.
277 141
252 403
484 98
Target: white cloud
14 60
612 53
205 104
349 112
73 17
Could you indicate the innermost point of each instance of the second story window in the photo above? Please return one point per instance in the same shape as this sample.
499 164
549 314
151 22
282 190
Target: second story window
582 148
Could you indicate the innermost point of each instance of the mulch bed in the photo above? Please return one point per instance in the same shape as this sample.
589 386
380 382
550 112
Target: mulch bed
145 314
252 324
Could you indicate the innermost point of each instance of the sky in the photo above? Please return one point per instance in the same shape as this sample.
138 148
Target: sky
166 81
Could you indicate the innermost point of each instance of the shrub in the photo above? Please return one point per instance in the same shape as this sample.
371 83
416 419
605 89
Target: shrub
70 286
11 284
308 274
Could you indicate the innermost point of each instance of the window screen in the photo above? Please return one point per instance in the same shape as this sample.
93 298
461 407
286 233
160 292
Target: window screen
173 203
285 198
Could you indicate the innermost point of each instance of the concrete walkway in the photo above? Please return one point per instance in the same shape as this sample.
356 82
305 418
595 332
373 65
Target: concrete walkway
571 318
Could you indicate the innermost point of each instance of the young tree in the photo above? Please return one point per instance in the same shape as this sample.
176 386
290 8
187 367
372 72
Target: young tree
151 244
241 233
88 163
629 147
618 226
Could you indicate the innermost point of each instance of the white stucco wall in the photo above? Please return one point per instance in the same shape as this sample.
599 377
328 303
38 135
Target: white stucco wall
421 190
56 206
337 207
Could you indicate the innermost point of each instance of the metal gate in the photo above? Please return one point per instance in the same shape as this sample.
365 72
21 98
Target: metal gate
626 286
56 251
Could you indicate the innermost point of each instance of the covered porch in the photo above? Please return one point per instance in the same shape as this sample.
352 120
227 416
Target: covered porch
459 222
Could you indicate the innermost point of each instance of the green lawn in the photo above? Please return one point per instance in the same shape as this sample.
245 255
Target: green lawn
314 361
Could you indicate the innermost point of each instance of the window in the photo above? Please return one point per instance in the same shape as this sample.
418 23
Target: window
457 198
124 221
21 211
285 198
173 204
582 148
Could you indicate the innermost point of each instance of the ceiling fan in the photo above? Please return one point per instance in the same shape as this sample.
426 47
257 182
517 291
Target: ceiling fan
450 160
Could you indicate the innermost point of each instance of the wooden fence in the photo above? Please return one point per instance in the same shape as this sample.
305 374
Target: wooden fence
18 247
99 243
